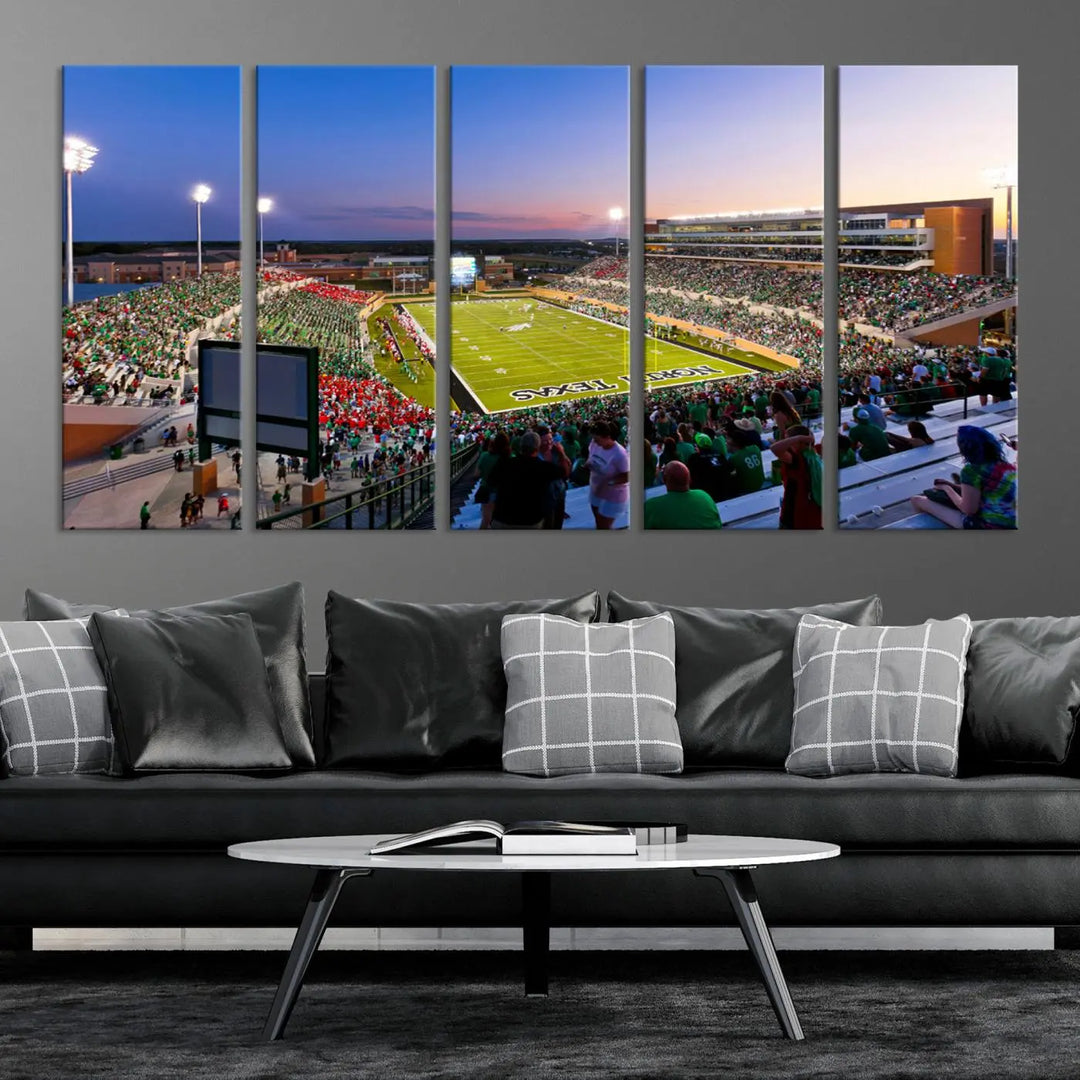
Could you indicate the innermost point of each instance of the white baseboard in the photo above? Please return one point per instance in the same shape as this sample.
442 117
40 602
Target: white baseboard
562 938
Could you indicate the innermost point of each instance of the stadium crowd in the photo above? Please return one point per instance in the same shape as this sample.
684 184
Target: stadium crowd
358 407
112 344
893 301
581 443
902 301
789 334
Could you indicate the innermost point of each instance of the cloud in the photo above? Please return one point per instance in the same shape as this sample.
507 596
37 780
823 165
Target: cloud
398 213
330 215
371 213
499 219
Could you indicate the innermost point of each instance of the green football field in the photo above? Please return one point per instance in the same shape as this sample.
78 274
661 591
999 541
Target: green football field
520 352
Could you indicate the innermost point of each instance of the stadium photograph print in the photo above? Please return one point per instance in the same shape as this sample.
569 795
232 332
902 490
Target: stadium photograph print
734 188
927 298
540 352
345 360
151 265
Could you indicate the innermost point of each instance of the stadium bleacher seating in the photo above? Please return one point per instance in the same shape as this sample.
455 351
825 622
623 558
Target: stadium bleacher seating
881 488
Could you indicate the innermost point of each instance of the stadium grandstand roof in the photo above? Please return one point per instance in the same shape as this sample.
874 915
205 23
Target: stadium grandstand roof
782 213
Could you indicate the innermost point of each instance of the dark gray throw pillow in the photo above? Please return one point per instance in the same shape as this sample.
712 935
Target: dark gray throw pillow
733 673
1023 695
278 617
188 693
412 687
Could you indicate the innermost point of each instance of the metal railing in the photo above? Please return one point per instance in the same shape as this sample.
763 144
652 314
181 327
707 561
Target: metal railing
393 503
919 401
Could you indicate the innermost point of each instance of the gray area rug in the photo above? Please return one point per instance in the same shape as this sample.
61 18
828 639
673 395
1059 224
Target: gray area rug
165 1015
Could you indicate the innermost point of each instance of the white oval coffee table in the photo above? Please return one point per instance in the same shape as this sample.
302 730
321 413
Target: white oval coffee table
729 859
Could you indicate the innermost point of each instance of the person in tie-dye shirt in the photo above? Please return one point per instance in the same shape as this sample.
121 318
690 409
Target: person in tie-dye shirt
985 498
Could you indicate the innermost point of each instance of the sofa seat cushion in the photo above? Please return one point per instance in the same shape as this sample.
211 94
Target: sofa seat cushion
200 810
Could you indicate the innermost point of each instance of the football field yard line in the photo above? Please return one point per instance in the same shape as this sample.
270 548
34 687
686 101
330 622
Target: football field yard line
545 362
565 347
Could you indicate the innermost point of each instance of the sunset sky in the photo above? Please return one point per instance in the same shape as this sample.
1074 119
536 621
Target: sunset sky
348 152
539 151
159 132
909 133
732 138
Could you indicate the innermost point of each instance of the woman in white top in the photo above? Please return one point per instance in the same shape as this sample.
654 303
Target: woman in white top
609 476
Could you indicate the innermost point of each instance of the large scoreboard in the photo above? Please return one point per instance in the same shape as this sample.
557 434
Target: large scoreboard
286 399
462 271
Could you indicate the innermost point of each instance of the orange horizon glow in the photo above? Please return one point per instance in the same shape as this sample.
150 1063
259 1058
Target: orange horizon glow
913 133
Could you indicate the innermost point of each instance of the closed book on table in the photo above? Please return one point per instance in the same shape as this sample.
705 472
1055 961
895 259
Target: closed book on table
598 840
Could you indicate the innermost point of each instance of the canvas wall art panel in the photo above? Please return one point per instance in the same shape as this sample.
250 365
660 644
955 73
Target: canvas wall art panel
540 354
151 265
733 297
345 360
927 258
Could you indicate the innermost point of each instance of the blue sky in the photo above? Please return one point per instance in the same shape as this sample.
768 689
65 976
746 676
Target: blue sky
347 152
732 138
159 132
539 151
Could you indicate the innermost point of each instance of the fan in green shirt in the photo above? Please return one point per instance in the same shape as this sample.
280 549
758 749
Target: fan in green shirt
680 507
845 455
685 450
749 471
996 367
867 438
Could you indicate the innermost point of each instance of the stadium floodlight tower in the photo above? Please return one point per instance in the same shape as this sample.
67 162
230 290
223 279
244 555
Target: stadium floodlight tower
1004 176
616 215
201 193
264 206
78 157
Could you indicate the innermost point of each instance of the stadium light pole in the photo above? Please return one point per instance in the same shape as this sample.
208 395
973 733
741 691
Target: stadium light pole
1004 176
78 157
616 215
264 206
200 195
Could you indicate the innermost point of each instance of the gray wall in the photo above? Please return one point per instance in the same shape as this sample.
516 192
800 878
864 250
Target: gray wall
918 574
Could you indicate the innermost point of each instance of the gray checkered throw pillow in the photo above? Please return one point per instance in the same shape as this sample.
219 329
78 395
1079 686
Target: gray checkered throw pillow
878 698
589 698
54 714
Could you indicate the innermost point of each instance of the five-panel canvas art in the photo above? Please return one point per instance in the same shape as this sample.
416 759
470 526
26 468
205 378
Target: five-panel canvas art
915 425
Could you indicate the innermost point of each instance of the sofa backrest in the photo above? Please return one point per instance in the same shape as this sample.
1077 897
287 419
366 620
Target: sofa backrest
317 690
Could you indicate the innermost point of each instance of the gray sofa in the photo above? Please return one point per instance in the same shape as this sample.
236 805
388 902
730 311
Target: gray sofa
917 850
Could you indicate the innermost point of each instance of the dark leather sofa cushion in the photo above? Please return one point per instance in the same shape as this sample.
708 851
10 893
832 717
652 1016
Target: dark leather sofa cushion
735 691
421 686
278 617
1022 695
204 810
188 693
